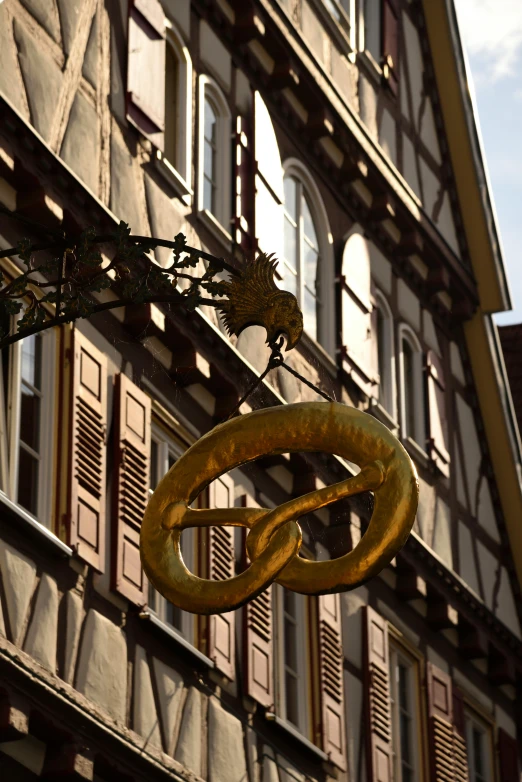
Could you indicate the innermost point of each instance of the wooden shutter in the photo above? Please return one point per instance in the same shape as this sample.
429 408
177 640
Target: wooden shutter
87 486
508 757
131 479
331 672
146 69
390 43
259 649
269 185
221 565
438 421
460 756
245 194
377 692
448 759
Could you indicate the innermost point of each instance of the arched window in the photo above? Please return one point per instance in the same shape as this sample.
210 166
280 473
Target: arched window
214 153
178 113
384 335
413 425
307 265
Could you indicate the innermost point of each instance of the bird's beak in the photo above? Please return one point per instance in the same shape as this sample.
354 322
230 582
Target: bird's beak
293 332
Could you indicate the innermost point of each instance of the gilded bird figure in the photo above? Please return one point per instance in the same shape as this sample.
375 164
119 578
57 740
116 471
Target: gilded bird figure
255 300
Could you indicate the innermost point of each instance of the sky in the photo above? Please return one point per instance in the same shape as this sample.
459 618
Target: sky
492 35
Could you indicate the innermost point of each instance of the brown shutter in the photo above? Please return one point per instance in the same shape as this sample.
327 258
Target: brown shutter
221 565
508 757
460 756
390 43
448 759
438 421
146 69
87 487
130 487
377 691
331 672
259 649
245 193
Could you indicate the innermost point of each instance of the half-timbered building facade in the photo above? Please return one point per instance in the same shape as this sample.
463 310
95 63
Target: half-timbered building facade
340 135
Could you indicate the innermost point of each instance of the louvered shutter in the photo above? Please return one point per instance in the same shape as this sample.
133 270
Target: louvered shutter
269 185
359 354
259 648
132 426
87 485
448 759
460 757
245 194
390 43
438 421
331 671
508 757
146 69
222 565
377 691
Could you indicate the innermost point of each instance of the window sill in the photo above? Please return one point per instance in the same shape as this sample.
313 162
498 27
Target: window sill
286 726
164 628
33 526
216 229
416 451
381 414
173 178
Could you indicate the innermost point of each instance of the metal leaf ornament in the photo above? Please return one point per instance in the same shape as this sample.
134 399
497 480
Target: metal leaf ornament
255 300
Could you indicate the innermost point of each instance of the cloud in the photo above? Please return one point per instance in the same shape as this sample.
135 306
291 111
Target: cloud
492 33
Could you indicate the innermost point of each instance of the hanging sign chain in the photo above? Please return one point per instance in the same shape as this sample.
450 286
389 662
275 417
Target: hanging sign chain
276 360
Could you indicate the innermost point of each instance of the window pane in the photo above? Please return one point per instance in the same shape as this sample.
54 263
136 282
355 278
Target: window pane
291 240
288 278
309 307
30 418
154 456
32 360
308 224
292 699
208 196
310 267
173 616
381 358
477 753
372 28
409 387
210 123
28 481
171 105
291 197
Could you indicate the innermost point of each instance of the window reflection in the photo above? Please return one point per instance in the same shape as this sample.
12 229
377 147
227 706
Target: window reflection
299 267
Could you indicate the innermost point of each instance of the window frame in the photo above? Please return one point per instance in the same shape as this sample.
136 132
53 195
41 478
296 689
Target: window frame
179 171
472 718
10 400
389 400
169 444
209 90
292 167
399 655
418 437
303 662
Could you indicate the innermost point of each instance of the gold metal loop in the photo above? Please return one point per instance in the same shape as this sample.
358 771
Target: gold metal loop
275 537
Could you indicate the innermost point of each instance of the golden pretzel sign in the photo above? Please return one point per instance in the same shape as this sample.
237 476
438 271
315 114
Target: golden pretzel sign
274 539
